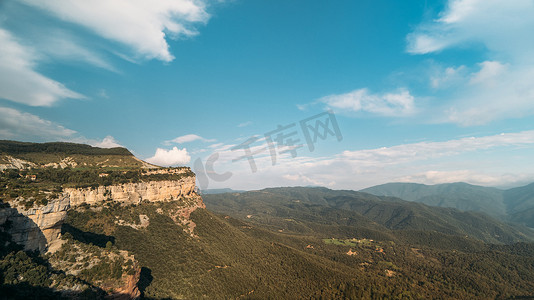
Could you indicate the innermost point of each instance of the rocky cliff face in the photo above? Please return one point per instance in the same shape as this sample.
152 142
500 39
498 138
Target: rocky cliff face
129 289
133 193
37 228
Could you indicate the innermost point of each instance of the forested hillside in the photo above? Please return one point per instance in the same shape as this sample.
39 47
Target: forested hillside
513 205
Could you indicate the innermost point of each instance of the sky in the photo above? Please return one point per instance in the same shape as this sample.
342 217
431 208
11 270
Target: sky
255 93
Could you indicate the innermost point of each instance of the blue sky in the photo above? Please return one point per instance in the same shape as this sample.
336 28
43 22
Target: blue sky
422 91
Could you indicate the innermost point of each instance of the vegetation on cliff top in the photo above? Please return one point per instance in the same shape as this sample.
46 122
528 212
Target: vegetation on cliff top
38 186
15 148
21 155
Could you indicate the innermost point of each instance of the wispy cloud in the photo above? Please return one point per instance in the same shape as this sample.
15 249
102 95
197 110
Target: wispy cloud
398 104
244 124
102 93
427 150
498 87
447 77
424 162
15 124
188 138
501 26
142 26
25 126
20 82
62 45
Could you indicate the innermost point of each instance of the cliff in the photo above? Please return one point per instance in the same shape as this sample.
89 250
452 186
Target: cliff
37 228
133 193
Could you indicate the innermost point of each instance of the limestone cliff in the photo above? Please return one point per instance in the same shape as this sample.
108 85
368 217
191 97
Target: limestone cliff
37 228
133 193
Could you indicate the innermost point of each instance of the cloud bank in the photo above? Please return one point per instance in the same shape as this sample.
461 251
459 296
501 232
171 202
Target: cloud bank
476 160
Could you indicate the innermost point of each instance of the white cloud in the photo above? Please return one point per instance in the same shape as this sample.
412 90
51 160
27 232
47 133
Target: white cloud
170 157
244 124
19 125
497 91
400 103
141 25
19 82
107 142
188 138
423 44
489 73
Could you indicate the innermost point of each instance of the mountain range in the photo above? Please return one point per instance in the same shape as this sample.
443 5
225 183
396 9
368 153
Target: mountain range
513 205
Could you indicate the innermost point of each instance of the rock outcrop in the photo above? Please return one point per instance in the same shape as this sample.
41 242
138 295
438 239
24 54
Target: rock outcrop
36 228
182 215
9 162
129 289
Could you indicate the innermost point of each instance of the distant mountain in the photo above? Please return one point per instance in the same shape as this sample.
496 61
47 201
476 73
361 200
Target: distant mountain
515 205
520 204
329 211
459 195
